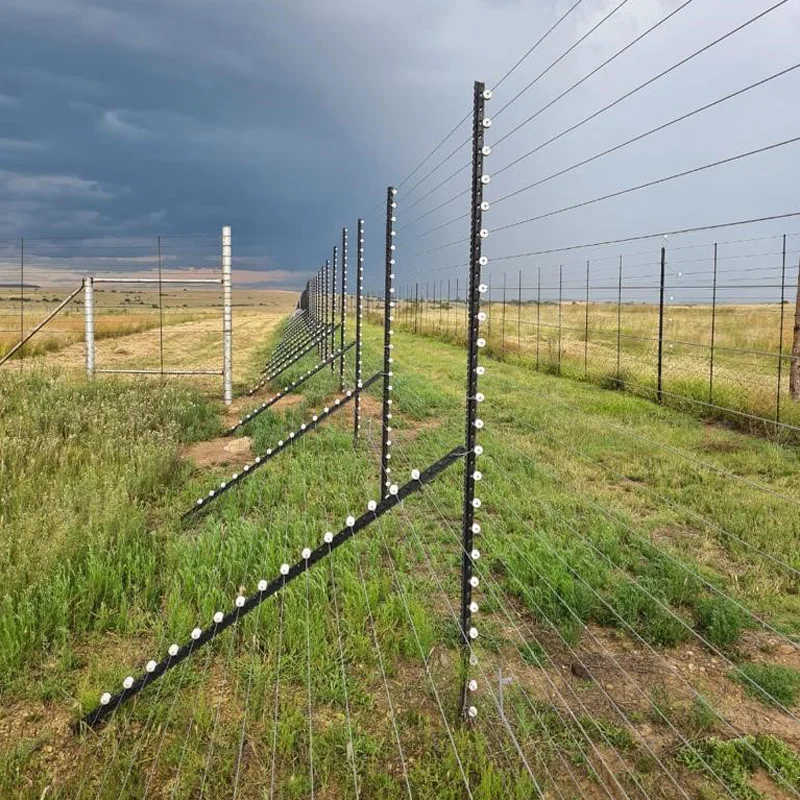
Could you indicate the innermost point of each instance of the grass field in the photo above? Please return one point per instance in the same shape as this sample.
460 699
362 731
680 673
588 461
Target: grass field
120 313
621 349
638 584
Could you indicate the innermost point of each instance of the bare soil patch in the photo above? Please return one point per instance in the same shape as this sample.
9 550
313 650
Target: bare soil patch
219 452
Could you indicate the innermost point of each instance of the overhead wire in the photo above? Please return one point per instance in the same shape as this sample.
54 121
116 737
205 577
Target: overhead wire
507 472
636 89
563 55
644 135
646 185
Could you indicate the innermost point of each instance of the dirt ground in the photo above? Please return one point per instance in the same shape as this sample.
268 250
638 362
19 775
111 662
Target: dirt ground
188 345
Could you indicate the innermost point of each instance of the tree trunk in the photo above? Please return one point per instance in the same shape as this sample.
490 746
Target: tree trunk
794 371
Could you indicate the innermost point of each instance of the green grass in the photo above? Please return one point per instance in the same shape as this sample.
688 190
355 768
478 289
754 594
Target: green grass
592 515
552 339
771 683
84 470
735 761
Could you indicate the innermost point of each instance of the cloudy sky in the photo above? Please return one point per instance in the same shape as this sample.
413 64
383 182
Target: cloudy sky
124 119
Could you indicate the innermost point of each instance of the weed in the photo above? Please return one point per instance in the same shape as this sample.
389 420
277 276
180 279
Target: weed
770 683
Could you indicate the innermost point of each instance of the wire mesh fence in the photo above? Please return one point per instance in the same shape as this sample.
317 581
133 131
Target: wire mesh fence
716 335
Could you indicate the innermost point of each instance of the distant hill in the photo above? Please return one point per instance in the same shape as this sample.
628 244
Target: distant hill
17 286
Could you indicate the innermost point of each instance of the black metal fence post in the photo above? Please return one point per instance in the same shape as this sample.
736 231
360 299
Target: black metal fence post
560 297
448 307
424 307
474 342
334 265
416 308
388 360
359 325
538 311
503 322
619 324
321 308
713 330
489 306
586 328
780 333
519 312
660 366
343 309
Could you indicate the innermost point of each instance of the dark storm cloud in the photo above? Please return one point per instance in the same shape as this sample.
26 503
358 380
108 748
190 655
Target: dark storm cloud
286 120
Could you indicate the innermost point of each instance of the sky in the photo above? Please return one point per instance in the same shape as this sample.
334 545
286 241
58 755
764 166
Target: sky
125 120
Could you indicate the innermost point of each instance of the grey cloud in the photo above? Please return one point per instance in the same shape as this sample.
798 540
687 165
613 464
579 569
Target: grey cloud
288 119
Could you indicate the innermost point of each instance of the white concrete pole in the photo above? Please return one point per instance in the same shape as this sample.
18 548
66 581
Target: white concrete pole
227 319
88 315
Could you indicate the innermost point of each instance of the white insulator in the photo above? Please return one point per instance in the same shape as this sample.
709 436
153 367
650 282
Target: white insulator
372 505
306 553
484 233
487 94
473 607
105 699
475 554
415 474
479 424
473 659
128 682
218 617
240 600
151 666
476 528
482 316
481 342
350 521
328 537
483 261
480 397
284 569
483 288
173 649
262 586
477 475
472 712
473 633
476 502
393 489
474 582
196 633
473 685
